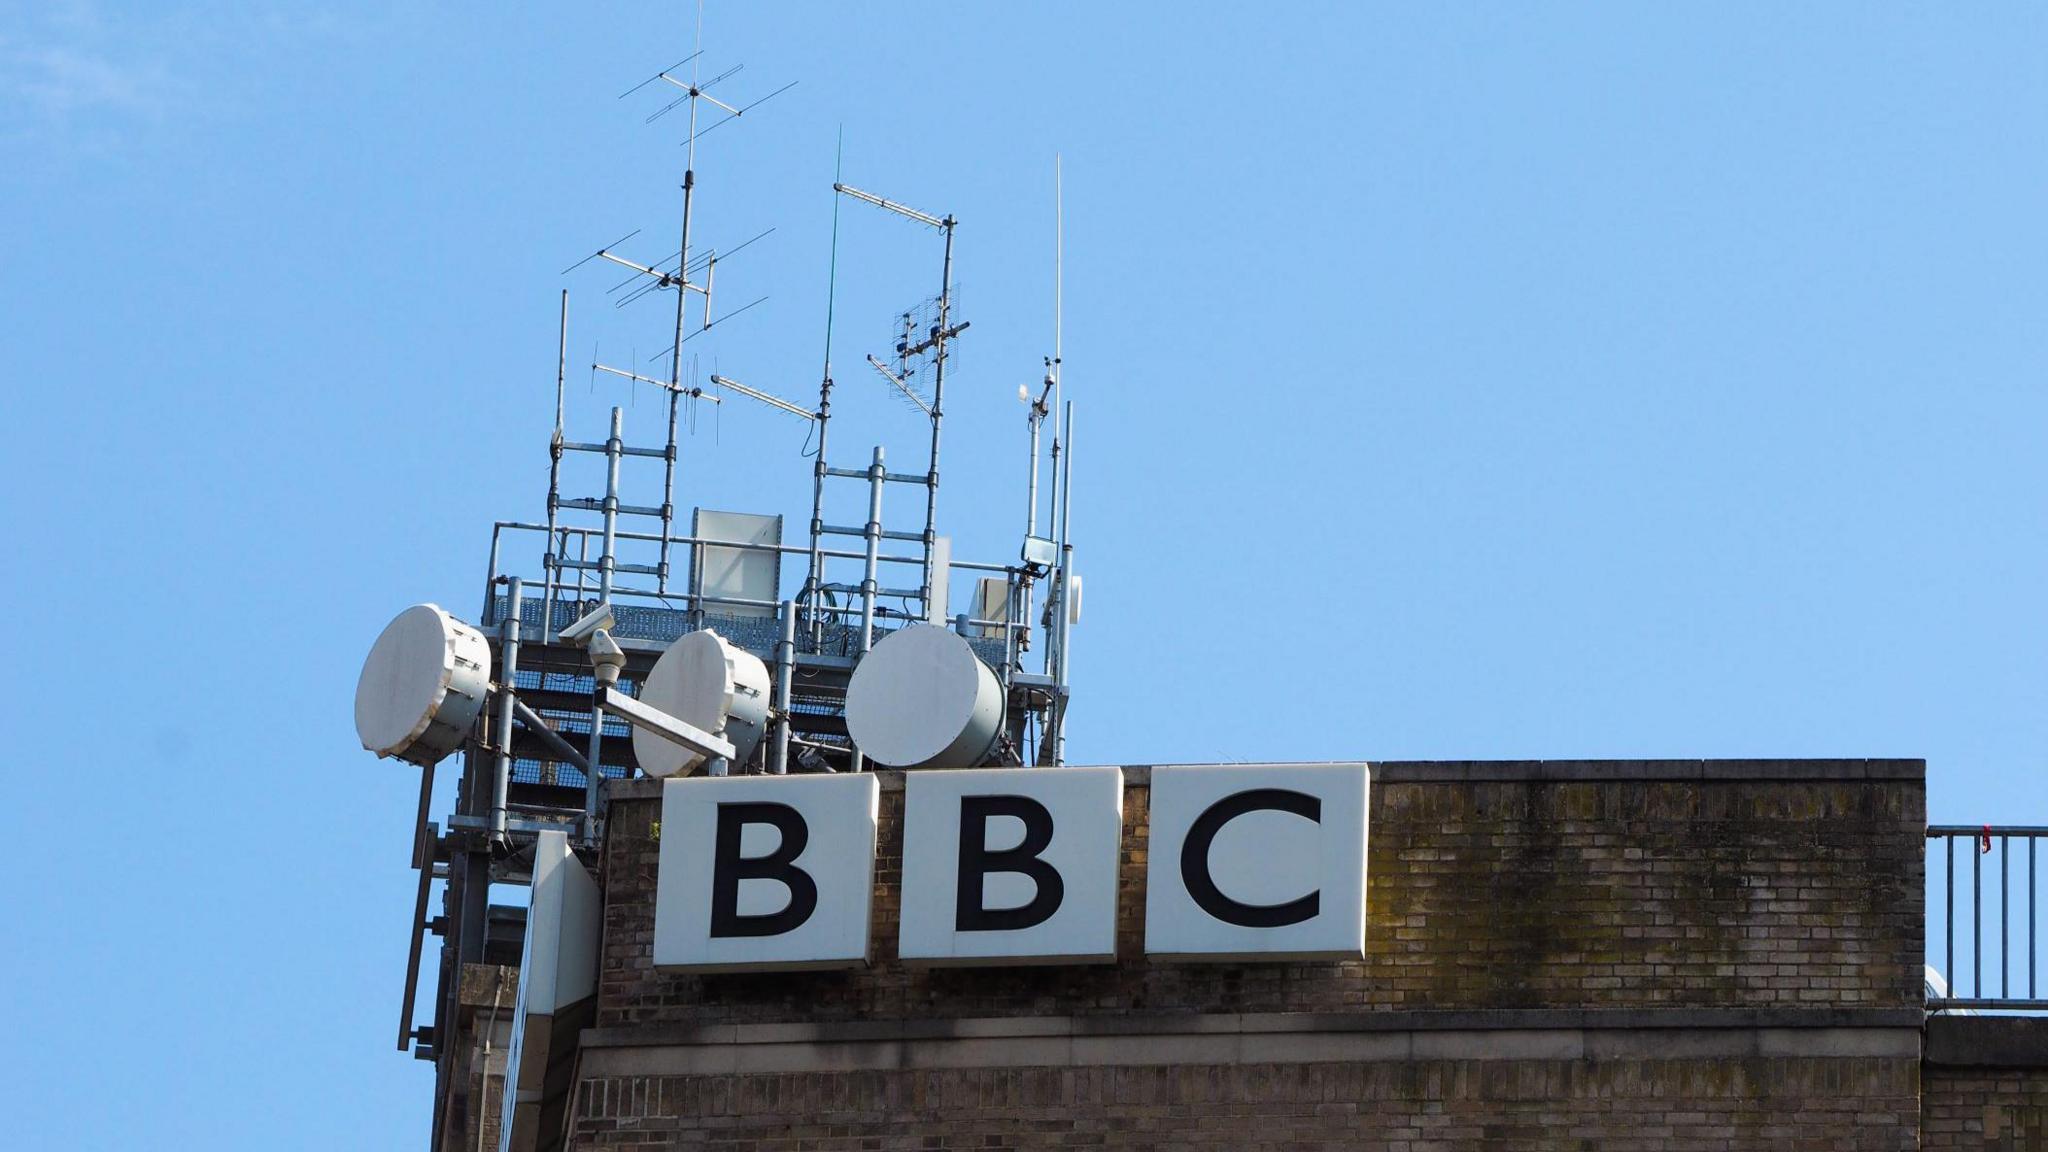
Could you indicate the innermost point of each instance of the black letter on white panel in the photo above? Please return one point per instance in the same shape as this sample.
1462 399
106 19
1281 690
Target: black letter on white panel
728 868
976 861
1194 859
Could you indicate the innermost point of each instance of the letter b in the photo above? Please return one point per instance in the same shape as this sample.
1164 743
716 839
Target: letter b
728 868
971 913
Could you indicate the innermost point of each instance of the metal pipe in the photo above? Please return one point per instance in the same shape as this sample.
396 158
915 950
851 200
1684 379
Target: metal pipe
491 582
873 533
1976 921
593 776
816 575
668 492
2004 917
931 492
1948 967
867 585
607 560
785 687
546 734
549 568
2032 941
508 644
422 859
1064 622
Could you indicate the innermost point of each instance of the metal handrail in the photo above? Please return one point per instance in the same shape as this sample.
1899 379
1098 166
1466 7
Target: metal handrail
1981 841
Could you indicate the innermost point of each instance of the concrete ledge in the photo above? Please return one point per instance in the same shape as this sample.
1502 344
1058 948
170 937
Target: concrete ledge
1229 1039
1517 771
1988 1041
1663 1020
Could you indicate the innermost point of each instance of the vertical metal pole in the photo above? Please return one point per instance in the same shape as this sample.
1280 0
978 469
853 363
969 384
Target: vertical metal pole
491 582
868 586
2032 944
873 532
668 493
593 778
1031 487
550 559
675 360
507 685
785 687
2004 918
1052 590
1020 584
1948 967
1064 622
1976 921
931 480
814 582
607 561
813 591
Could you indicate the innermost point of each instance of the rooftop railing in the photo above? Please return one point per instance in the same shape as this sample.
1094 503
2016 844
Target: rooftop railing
1985 933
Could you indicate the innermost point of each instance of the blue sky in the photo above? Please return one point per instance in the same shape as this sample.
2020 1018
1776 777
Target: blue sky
1490 381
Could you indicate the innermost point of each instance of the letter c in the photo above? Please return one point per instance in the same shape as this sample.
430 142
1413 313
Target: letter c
1194 859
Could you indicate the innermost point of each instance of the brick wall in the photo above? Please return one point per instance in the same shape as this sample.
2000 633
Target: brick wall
1615 956
1736 885
1975 1109
1400 1107
1985 1085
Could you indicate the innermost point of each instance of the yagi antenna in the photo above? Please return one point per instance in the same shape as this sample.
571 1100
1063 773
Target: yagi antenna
693 393
901 385
754 393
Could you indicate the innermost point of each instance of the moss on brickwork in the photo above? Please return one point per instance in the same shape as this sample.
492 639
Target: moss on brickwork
1504 894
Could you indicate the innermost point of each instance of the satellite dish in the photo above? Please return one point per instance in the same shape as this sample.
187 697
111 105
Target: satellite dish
703 680
921 699
422 686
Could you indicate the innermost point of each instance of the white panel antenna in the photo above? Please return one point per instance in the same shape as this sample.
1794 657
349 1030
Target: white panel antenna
422 686
736 574
920 698
704 681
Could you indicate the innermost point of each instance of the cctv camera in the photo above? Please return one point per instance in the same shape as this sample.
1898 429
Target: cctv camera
599 619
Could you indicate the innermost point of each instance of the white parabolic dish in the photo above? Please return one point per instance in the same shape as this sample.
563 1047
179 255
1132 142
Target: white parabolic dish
704 681
422 685
921 699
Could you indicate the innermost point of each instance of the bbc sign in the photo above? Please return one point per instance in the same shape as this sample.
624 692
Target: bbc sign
1012 866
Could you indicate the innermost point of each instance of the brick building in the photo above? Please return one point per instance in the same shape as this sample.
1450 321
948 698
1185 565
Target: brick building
1615 955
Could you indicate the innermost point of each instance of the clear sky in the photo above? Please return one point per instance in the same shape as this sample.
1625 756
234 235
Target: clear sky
1488 381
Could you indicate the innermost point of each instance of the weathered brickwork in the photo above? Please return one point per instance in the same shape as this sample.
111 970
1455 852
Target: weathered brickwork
489 994
1985 1085
1974 1109
1610 956
1752 893
1634 1106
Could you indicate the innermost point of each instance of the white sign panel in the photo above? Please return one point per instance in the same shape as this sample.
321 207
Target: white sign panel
1011 865
765 872
1257 862
557 987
